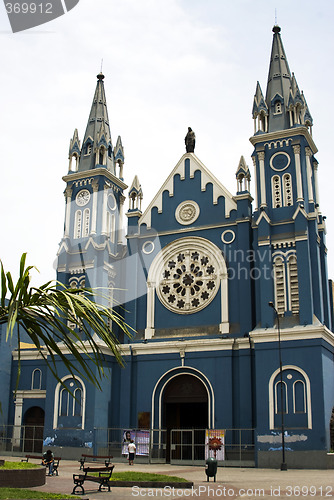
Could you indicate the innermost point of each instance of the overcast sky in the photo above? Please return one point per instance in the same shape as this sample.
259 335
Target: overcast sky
168 64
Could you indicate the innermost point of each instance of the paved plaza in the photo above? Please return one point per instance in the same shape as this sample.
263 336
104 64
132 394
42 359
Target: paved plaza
230 483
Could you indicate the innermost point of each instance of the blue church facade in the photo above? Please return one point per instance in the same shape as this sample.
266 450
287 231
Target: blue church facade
194 278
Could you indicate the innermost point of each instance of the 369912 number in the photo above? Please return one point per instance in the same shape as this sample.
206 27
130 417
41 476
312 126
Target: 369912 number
309 491
28 8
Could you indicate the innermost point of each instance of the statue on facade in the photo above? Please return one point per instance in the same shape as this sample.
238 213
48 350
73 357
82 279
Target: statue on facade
190 140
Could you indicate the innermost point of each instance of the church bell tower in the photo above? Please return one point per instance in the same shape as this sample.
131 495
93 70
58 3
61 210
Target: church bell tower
289 227
92 239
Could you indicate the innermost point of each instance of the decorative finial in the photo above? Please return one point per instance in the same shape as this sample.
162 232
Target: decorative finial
276 29
100 76
190 140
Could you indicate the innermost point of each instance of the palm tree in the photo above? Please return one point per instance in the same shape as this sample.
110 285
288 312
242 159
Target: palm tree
60 321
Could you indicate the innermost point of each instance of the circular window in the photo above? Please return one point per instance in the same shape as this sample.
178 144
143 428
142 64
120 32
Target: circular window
188 280
148 247
111 201
280 161
228 236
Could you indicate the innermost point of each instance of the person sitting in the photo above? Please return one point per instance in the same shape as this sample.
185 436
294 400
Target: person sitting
47 460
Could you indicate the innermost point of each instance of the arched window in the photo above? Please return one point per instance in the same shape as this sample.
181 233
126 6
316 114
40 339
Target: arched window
276 191
77 403
279 400
278 107
77 224
101 155
64 400
299 396
86 222
88 148
296 398
287 190
36 379
69 405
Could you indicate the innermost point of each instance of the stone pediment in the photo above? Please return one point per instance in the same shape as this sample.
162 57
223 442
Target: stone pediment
218 190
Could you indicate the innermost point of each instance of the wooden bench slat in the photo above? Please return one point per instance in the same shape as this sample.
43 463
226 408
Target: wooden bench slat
103 478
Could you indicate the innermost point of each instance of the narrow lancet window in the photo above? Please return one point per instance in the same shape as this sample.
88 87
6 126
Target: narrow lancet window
276 191
287 190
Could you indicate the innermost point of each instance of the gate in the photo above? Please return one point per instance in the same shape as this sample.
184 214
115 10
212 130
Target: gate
188 446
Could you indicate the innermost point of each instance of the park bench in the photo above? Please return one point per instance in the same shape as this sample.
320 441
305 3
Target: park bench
106 459
103 478
56 461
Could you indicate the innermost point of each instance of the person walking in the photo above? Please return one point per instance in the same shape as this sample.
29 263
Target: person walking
131 451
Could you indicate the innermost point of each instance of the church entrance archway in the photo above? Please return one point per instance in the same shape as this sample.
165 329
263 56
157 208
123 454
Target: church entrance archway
33 422
185 417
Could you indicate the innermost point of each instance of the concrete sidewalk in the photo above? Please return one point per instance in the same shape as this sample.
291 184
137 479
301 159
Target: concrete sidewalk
230 483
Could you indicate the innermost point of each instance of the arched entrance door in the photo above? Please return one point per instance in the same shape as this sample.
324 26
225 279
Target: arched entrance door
33 422
185 408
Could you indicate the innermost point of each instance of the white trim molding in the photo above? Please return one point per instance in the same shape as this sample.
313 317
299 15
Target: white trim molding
56 400
272 406
175 372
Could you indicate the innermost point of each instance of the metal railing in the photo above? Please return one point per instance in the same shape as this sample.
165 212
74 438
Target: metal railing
186 446
21 438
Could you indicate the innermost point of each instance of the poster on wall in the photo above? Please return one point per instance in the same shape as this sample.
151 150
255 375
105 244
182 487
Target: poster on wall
215 444
141 439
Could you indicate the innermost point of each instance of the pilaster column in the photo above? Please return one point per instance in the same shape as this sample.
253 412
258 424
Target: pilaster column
263 202
68 197
149 330
296 150
17 421
120 218
224 325
308 153
104 210
95 186
255 182
121 169
315 170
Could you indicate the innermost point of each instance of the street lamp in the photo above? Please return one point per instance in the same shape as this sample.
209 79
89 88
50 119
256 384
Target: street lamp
283 464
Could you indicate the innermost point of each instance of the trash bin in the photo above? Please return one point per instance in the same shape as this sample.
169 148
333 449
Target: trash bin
211 468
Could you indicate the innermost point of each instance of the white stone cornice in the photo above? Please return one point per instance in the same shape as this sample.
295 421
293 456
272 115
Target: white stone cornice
170 347
30 394
298 332
181 230
244 196
94 173
31 354
291 132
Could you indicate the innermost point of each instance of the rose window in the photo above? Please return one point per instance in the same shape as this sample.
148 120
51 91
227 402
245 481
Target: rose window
189 281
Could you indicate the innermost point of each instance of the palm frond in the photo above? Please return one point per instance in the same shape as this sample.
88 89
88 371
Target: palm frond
45 314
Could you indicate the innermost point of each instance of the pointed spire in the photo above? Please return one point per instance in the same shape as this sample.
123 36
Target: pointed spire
243 176
284 106
278 85
135 194
74 151
260 111
97 146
